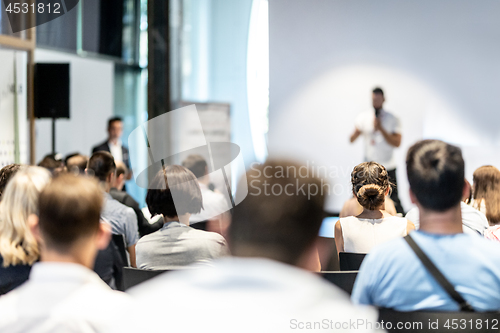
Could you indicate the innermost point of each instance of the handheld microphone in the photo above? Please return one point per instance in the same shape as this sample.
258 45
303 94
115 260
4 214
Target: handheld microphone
377 113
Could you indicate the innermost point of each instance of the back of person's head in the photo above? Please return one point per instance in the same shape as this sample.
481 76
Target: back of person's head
173 192
69 209
196 164
281 215
101 165
6 174
121 175
436 174
370 182
20 199
77 163
486 187
52 163
121 169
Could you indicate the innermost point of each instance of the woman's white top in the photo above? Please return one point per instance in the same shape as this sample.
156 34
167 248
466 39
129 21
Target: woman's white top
361 235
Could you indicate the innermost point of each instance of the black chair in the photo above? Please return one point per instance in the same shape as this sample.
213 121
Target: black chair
423 321
343 280
331 262
350 261
109 266
119 241
202 225
134 276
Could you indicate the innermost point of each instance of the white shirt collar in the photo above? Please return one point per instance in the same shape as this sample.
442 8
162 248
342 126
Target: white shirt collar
173 224
118 143
59 271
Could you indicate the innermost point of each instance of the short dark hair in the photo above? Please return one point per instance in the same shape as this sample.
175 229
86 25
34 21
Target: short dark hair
112 120
102 164
69 208
121 169
378 90
70 156
77 161
280 218
6 174
174 191
196 164
50 163
436 174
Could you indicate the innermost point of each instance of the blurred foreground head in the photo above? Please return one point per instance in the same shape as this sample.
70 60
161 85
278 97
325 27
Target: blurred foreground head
19 200
69 212
282 214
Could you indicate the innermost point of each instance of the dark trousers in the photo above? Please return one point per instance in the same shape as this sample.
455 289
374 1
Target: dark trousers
394 194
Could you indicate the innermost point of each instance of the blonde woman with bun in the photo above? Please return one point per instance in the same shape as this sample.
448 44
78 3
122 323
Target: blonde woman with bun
374 225
18 247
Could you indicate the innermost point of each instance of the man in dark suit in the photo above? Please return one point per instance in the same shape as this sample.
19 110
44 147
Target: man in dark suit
114 144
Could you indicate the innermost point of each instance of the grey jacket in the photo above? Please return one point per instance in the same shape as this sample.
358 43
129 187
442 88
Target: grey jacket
177 245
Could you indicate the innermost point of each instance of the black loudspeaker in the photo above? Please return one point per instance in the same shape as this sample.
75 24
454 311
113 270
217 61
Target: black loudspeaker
51 90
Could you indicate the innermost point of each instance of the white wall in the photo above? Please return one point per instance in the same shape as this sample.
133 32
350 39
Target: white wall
13 66
91 105
436 60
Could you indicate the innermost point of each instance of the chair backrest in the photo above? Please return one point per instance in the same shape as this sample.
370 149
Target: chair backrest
350 261
119 241
329 257
423 321
134 276
343 280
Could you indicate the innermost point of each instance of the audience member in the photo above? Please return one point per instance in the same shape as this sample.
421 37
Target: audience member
360 233
6 174
77 164
352 207
486 198
175 194
116 191
62 293
473 221
392 276
215 206
53 163
264 287
122 218
18 247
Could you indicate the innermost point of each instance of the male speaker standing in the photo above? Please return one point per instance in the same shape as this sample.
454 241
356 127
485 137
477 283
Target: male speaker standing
114 144
382 133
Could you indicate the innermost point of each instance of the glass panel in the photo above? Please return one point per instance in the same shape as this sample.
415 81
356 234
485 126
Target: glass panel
131 105
131 17
5 27
143 34
60 33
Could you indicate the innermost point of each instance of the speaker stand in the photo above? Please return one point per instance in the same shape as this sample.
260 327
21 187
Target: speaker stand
54 136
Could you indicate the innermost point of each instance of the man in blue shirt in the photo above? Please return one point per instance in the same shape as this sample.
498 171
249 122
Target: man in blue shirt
392 276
